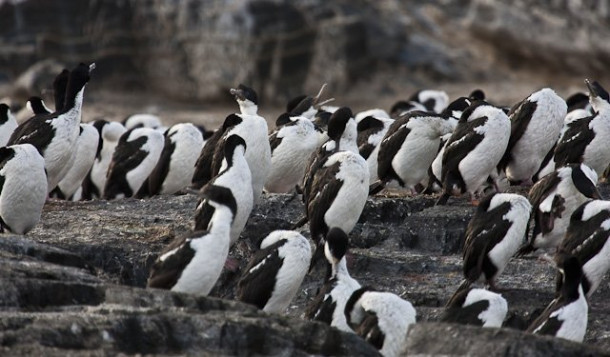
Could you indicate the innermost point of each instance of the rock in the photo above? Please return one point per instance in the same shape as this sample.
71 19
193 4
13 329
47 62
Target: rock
461 340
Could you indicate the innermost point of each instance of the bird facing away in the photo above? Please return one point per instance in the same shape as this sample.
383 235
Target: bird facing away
566 316
274 274
479 307
192 263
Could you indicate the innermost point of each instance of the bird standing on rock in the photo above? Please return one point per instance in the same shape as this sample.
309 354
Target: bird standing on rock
192 263
275 273
474 150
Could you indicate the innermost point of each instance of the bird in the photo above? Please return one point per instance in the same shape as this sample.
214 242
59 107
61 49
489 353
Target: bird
55 135
493 235
409 147
433 100
402 107
37 106
253 129
554 198
536 123
236 177
82 161
134 158
380 318
23 188
585 140
8 124
329 304
176 166
292 143
192 263
566 316
307 106
474 306
473 150
109 134
142 120
274 274
371 130
586 238
375 113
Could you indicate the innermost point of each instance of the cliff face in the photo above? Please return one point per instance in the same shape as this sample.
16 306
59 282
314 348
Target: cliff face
193 49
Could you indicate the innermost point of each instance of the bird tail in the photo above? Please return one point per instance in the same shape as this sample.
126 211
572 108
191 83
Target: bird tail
376 187
525 249
301 222
465 285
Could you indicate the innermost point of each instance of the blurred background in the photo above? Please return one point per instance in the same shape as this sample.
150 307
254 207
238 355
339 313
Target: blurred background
178 58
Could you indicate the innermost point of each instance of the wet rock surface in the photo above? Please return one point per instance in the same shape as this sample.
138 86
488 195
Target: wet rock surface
74 284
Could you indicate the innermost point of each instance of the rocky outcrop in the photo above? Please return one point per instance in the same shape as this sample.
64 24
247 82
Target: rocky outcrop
74 284
192 49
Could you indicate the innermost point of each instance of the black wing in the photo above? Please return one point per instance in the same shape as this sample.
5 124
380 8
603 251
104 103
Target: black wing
548 325
274 141
369 330
126 157
367 127
519 120
389 146
322 306
203 214
463 140
572 144
6 154
258 280
467 315
316 160
37 131
484 231
324 191
164 274
543 188
203 166
159 173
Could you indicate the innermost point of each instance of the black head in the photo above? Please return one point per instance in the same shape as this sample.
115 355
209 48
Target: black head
337 122
294 102
596 90
206 133
322 117
283 119
230 121
4 111
231 143
37 105
477 94
459 105
77 80
245 93
59 89
400 107
337 242
485 202
220 196
570 269
577 101
351 302
369 123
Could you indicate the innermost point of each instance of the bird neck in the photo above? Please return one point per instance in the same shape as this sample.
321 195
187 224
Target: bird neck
74 103
246 107
340 269
221 221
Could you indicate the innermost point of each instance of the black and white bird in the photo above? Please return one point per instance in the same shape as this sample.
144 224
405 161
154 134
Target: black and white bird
134 158
109 135
36 105
253 129
371 131
587 239
175 168
292 143
402 107
193 262
23 188
329 304
142 120
55 135
434 101
585 140
474 306
236 177
554 198
274 274
8 124
82 161
380 318
535 126
566 316
409 147
493 236
474 150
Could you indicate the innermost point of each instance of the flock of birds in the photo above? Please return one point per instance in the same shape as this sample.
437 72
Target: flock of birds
335 159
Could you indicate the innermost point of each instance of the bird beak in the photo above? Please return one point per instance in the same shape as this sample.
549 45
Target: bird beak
592 91
91 67
238 93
